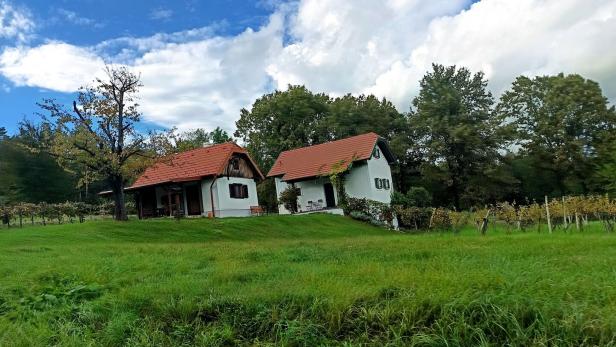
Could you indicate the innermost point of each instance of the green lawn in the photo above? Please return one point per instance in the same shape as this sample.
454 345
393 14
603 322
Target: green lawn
302 280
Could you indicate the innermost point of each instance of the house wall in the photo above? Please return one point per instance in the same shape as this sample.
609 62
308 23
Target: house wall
311 190
224 205
379 168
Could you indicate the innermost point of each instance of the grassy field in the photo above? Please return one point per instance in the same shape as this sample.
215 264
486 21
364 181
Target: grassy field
302 280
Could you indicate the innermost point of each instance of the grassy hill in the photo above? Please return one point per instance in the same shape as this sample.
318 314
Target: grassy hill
302 280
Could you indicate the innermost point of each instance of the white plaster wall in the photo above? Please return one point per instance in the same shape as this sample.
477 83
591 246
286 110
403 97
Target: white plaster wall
379 168
313 190
359 182
280 187
229 207
205 196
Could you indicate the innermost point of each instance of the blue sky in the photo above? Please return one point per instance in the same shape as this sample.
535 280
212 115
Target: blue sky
201 62
89 22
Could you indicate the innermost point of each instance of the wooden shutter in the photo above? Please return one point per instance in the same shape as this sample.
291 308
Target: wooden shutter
386 182
378 183
244 191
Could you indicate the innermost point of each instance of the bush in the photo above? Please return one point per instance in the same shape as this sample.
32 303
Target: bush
413 217
288 198
376 212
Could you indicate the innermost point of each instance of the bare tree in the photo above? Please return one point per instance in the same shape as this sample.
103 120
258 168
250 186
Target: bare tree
99 133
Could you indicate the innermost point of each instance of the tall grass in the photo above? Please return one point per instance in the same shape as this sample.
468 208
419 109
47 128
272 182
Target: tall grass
302 281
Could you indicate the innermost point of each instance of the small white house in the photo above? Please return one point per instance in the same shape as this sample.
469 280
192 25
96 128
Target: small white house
367 158
217 181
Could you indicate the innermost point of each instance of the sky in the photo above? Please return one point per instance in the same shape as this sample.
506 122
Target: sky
201 62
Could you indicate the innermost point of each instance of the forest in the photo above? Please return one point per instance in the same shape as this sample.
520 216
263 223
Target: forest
545 135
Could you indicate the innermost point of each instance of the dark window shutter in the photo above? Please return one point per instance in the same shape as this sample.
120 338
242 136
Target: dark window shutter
386 181
245 191
231 191
378 183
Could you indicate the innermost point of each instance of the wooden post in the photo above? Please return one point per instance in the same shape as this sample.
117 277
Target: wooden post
177 205
547 212
564 214
484 223
140 202
169 202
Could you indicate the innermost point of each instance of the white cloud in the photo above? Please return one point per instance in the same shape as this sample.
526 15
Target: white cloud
161 14
195 78
54 65
77 19
15 23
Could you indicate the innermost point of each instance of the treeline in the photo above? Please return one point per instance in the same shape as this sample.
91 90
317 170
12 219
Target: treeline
547 135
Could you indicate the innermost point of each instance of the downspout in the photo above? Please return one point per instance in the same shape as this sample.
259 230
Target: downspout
212 196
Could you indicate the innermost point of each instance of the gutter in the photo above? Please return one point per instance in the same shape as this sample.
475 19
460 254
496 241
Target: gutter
212 196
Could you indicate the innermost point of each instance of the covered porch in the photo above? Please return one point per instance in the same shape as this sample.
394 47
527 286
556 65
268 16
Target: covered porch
169 200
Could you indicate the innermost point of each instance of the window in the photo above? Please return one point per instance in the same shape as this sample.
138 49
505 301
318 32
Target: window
238 191
235 164
386 183
378 183
376 153
382 183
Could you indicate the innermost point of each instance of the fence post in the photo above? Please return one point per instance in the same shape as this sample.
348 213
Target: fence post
565 225
547 212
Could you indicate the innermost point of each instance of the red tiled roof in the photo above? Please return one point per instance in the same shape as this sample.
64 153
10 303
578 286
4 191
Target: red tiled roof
191 165
318 160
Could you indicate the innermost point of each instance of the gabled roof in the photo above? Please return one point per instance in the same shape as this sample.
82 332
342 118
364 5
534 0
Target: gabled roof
192 165
318 160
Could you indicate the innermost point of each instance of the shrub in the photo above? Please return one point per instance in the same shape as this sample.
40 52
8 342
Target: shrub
378 213
288 198
413 217
399 199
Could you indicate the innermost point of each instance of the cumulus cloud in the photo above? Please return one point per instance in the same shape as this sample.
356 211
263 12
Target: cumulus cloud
54 65
196 78
15 23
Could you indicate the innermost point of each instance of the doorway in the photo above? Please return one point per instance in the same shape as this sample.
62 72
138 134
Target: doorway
330 199
193 200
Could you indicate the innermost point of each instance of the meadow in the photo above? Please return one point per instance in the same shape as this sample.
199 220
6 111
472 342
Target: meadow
302 281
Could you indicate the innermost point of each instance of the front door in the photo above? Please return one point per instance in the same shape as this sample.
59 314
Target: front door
330 199
192 199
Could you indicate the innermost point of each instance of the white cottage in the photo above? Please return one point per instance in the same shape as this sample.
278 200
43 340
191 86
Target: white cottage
367 157
217 181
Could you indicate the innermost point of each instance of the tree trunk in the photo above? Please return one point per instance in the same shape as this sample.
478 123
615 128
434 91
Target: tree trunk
119 213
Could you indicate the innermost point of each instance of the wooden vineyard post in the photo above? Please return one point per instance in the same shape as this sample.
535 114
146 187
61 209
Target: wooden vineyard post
431 218
547 212
484 223
564 214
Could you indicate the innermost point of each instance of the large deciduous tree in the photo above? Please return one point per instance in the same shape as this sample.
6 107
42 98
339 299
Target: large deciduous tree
563 125
99 133
457 135
280 121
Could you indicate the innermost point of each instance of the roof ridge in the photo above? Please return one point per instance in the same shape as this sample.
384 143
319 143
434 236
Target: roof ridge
329 142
